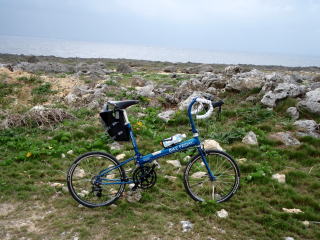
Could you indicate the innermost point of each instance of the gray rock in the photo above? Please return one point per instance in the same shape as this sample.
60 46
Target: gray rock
93 105
115 146
134 196
186 226
138 81
222 213
175 163
124 68
283 90
166 115
250 138
246 81
312 101
146 91
170 69
281 178
307 128
47 67
94 69
293 112
71 98
286 138
231 70
288 238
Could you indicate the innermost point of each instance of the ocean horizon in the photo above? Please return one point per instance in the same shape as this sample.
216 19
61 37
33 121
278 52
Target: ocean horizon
81 49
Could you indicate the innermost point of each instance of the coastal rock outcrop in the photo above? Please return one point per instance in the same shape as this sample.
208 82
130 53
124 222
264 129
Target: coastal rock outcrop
311 101
282 91
246 81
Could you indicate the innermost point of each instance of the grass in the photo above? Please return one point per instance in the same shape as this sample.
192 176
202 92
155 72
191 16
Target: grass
32 157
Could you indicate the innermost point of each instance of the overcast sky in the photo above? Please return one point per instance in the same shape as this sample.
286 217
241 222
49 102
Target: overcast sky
266 26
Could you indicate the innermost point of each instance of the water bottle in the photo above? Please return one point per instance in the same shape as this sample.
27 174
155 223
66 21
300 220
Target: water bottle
173 140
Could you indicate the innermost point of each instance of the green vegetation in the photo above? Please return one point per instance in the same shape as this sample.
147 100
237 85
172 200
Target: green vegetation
31 158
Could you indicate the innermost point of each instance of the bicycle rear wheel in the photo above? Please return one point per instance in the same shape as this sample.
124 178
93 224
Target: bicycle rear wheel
198 184
86 184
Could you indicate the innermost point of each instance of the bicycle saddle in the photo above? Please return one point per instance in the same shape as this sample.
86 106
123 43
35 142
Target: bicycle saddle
123 104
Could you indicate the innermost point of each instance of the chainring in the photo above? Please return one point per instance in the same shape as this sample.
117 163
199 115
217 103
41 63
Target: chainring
144 177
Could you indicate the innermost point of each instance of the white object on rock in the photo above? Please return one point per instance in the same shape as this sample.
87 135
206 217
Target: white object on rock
166 115
211 144
222 213
120 156
186 226
292 210
70 152
175 163
250 138
293 112
281 178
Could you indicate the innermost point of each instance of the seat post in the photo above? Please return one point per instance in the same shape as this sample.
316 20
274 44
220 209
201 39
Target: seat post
133 139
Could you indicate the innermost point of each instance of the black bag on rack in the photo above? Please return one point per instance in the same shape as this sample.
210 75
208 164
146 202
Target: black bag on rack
114 122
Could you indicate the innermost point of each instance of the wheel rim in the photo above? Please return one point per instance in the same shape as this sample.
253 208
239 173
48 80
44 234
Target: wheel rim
220 189
86 186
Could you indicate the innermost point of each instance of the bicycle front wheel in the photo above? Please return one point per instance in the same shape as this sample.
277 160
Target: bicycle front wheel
89 185
197 181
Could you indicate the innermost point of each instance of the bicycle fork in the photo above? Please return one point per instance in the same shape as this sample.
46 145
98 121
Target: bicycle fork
204 160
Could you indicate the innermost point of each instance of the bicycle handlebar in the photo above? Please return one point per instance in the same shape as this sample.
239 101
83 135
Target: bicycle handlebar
209 112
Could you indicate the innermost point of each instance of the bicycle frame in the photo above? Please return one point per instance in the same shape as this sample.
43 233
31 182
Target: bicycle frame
141 160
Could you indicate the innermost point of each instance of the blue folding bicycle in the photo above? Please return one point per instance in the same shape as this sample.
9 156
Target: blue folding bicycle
98 179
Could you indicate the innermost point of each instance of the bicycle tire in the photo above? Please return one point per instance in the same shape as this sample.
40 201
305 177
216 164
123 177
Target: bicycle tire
196 174
84 175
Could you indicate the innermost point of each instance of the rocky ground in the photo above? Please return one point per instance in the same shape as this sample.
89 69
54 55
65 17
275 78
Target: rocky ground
48 115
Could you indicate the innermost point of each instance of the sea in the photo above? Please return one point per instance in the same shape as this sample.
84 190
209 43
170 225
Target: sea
81 49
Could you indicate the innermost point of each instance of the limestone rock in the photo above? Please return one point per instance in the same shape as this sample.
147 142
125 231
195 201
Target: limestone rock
222 213
211 144
312 101
186 226
166 115
170 69
286 138
292 210
175 163
250 138
246 81
233 69
293 112
120 156
307 128
146 91
281 178
124 68
283 90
